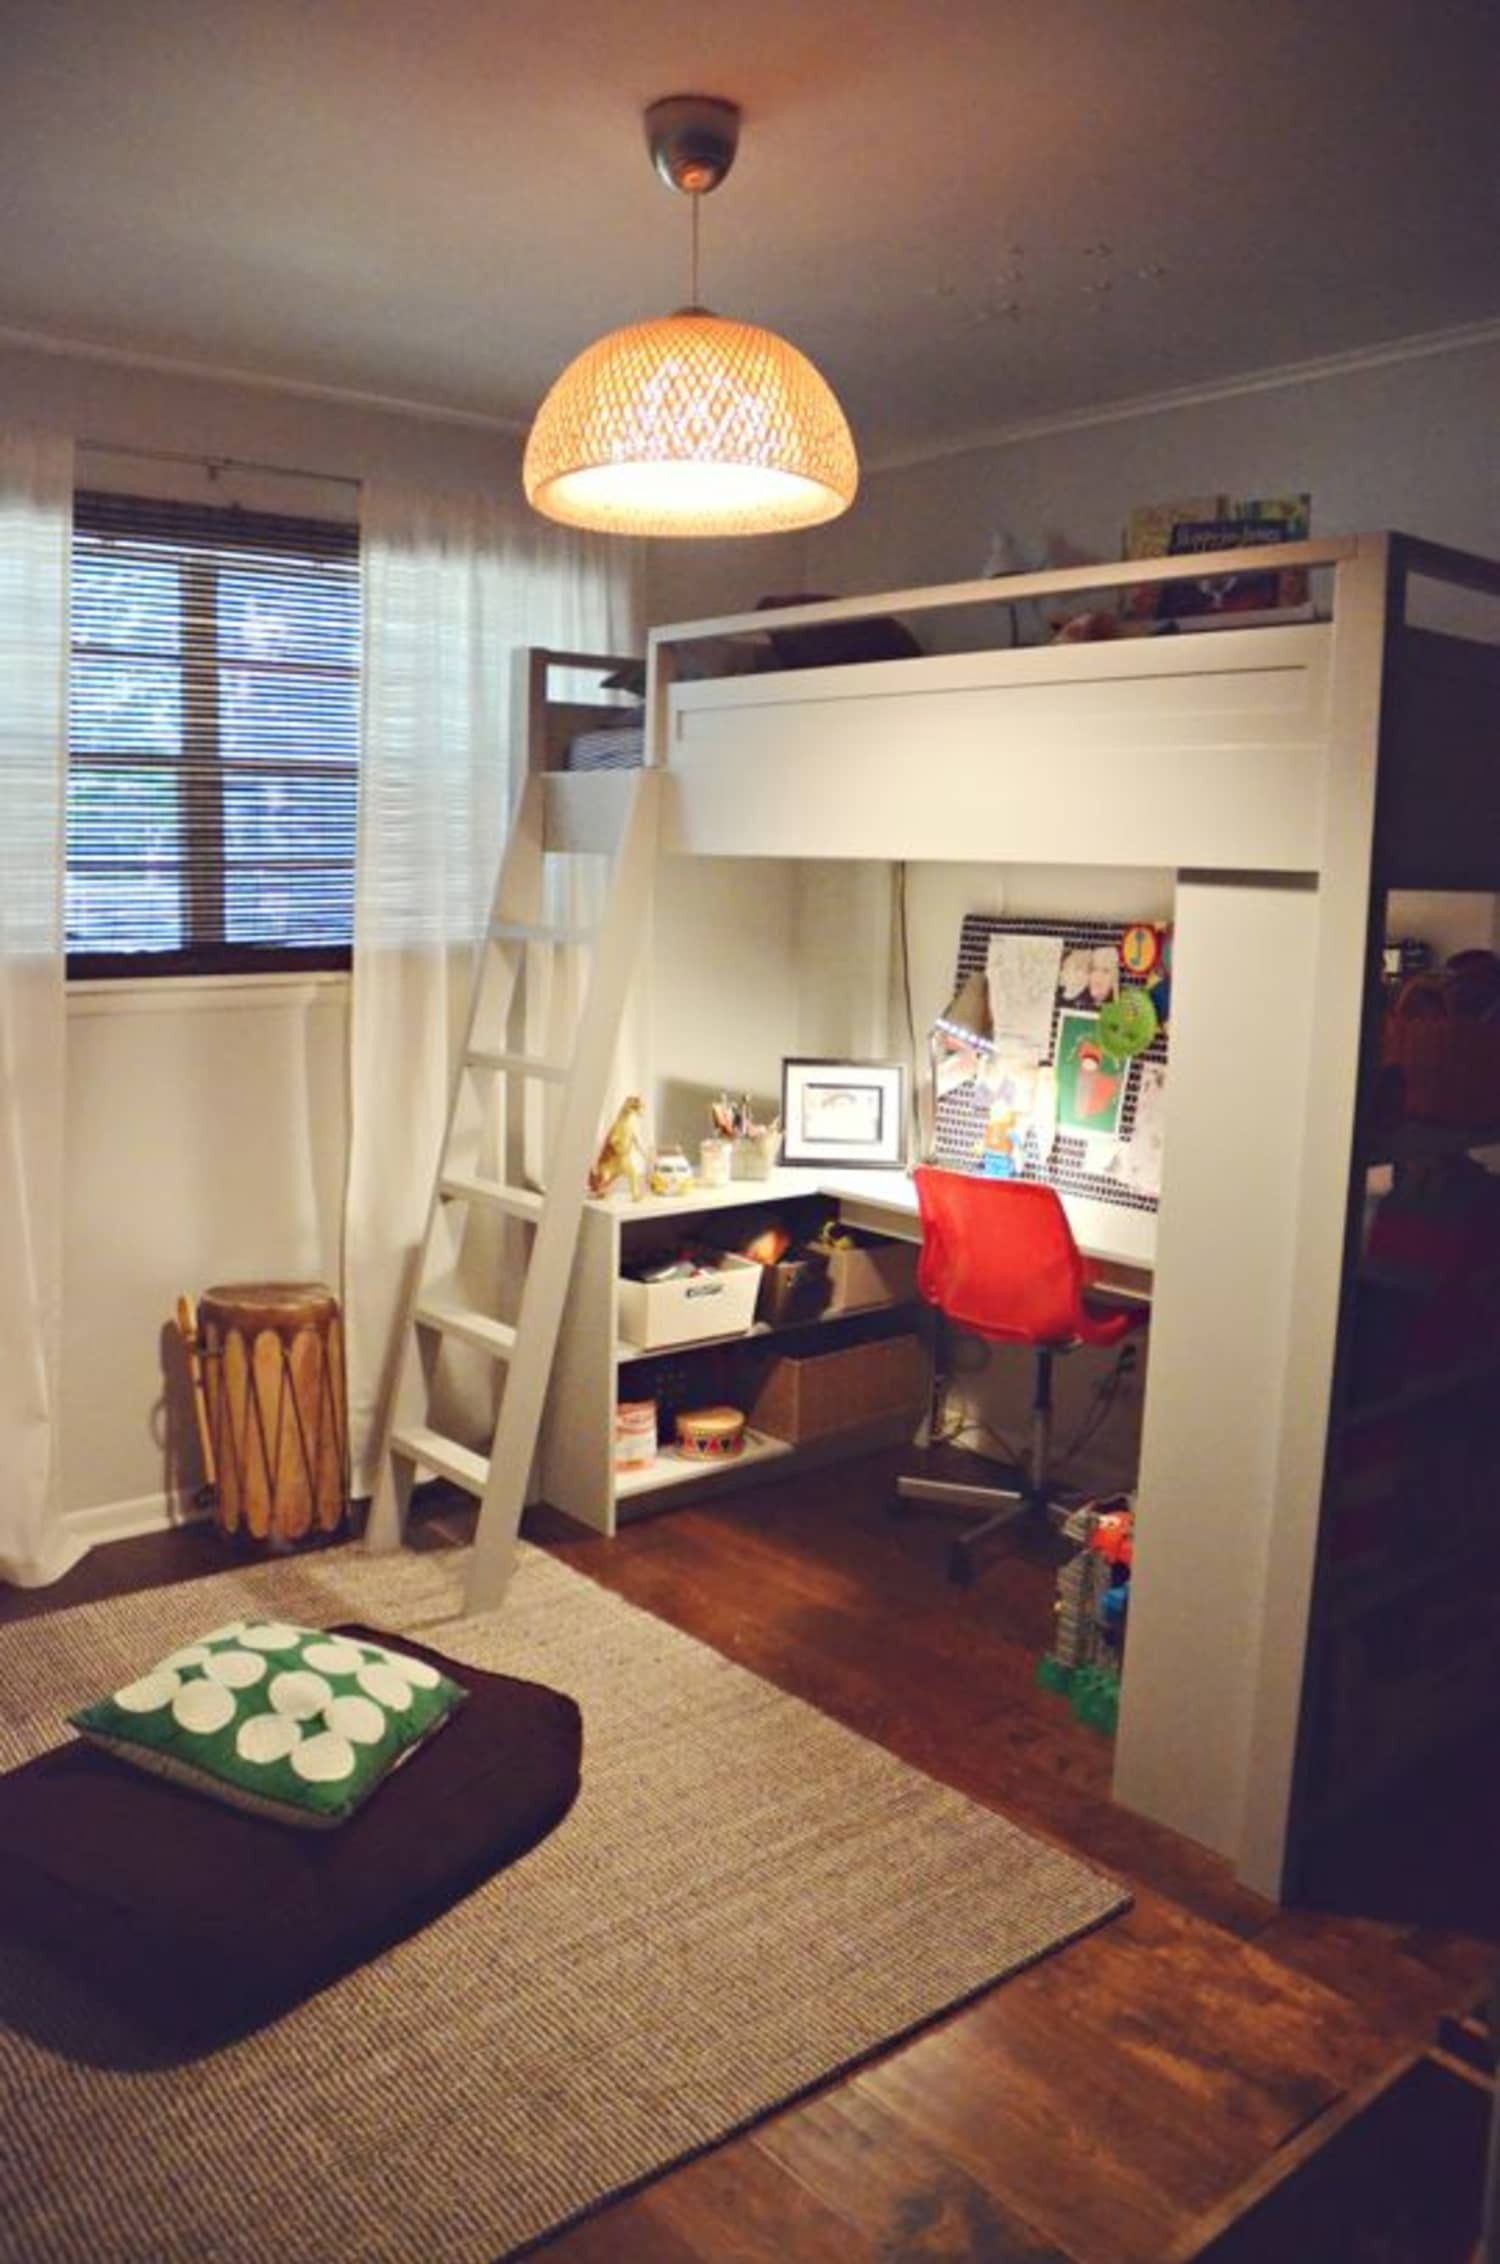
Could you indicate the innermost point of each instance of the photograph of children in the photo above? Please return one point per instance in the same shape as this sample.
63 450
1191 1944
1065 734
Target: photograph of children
1090 1082
1090 974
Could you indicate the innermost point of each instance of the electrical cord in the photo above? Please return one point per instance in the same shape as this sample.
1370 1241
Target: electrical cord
962 1434
1106 1392
904 939
951 1433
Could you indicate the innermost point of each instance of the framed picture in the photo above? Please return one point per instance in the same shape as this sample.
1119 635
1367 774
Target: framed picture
843 1112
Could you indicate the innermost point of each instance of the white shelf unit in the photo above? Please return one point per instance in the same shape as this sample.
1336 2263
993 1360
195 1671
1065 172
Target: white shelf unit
591 1371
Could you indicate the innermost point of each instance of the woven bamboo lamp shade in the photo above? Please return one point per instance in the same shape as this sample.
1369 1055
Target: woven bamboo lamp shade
691 424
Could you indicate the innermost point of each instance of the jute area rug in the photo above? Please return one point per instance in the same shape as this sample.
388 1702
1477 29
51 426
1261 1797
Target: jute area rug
746 1899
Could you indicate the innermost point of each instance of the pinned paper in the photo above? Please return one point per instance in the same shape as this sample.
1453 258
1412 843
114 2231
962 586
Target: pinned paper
1044 1116
1143 1152
1022 971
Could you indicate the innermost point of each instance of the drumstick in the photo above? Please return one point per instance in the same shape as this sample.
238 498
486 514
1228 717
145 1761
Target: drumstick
187 1323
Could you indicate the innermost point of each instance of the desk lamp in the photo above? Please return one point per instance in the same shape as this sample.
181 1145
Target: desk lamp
967 1016
963 1030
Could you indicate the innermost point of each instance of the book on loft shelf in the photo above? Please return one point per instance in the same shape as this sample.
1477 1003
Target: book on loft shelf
1202 523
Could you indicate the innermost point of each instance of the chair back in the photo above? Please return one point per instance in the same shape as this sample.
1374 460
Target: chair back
998 1257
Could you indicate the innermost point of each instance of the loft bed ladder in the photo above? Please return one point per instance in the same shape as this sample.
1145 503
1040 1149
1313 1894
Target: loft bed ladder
510 1002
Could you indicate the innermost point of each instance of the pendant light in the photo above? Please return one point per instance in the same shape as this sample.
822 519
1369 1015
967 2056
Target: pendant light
691 424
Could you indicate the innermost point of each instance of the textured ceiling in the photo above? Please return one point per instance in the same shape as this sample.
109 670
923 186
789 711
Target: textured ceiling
969 212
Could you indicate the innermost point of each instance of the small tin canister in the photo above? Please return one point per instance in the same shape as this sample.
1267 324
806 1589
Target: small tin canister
710 1434
635 1434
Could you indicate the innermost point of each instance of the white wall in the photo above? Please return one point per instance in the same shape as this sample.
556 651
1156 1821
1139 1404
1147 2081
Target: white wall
125 406
722 992
206 1130
700 581
1407 444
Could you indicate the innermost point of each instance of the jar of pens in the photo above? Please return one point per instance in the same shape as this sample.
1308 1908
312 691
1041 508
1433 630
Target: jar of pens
753 1147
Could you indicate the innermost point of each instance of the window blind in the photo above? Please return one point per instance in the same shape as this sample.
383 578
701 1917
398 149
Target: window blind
213 738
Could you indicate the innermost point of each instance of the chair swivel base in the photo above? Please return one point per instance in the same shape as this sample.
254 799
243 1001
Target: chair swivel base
1006 1505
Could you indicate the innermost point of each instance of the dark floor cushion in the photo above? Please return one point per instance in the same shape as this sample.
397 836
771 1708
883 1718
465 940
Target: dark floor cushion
204 1920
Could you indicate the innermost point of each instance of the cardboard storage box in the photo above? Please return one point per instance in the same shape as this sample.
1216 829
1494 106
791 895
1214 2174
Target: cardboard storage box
877 1273
794 1289
721 1303
836 1391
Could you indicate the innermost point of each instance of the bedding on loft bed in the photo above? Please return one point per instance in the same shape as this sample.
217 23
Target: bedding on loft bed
620 746
821 644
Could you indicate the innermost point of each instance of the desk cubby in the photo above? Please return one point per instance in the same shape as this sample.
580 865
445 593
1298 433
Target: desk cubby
598 1361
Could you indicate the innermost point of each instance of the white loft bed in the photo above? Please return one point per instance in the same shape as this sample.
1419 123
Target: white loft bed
1288 776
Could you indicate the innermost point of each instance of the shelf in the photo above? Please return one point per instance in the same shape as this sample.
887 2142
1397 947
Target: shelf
671 1469
784 1185
1351 1600
1339 1805
1414 1142
1417 1394
626 1352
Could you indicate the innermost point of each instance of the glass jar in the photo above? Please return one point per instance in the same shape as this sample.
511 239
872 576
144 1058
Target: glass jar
713 1162
671 1173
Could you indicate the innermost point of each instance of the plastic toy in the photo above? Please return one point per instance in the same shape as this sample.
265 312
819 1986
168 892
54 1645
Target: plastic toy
623 1153
1093 1601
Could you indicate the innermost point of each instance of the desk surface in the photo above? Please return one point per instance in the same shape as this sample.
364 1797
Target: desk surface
886 1201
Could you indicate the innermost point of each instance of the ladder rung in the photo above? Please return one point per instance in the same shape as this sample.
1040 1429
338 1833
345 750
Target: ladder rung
480 1329
522 1064
538 931
459 1464
520 1202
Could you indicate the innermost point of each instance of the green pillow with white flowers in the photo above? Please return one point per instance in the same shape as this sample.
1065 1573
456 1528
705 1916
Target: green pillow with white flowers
290 1722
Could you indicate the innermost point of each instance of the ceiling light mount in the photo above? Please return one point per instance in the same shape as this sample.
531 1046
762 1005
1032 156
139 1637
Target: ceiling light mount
693 139
690 423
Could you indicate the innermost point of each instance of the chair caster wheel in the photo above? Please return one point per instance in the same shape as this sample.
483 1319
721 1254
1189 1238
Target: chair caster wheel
960 1566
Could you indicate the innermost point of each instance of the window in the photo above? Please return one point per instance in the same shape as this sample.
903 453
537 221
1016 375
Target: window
213 739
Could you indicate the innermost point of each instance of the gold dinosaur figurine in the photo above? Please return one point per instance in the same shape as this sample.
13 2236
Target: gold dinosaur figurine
623 1153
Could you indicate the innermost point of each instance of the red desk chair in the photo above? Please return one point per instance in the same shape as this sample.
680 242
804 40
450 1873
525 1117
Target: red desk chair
999 1260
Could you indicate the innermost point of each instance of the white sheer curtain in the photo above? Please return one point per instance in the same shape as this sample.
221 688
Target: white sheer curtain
454 588
36 513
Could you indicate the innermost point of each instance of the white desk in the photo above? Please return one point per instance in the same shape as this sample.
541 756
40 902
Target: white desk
886 1202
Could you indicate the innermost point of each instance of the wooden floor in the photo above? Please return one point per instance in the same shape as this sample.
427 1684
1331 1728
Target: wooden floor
1095 2106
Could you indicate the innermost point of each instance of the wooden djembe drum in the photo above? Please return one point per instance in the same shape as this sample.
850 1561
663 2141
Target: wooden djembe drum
272 1357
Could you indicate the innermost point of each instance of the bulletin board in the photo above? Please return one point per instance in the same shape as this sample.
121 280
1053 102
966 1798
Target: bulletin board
1108 1108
